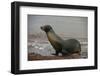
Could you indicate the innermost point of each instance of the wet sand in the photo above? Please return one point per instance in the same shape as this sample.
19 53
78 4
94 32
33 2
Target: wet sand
32 57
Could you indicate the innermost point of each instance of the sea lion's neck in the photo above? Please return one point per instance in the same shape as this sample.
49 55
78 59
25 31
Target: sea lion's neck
51 31
53 36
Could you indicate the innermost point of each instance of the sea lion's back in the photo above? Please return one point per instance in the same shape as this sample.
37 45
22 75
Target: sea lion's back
71 43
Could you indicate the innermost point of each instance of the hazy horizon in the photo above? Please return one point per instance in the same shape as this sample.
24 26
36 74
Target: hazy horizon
65 25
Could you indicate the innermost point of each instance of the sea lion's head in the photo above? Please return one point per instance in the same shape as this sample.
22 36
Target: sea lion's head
46 28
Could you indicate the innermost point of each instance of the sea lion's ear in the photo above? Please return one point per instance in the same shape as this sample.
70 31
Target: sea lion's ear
49 27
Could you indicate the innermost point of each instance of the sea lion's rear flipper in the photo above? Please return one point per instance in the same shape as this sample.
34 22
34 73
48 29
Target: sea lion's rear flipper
64 52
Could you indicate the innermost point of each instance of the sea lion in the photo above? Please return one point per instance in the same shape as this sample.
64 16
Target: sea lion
65 47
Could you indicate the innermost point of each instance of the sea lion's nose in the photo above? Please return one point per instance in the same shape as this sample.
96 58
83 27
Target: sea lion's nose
41 27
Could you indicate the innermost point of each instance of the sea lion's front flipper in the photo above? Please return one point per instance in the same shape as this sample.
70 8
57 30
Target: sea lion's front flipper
56 53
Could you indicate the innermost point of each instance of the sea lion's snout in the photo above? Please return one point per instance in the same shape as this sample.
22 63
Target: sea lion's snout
42 28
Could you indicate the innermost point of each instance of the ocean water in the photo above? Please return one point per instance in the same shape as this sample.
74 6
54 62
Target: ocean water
44 48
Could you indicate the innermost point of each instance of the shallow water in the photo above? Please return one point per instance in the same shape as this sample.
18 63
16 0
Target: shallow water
44 48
